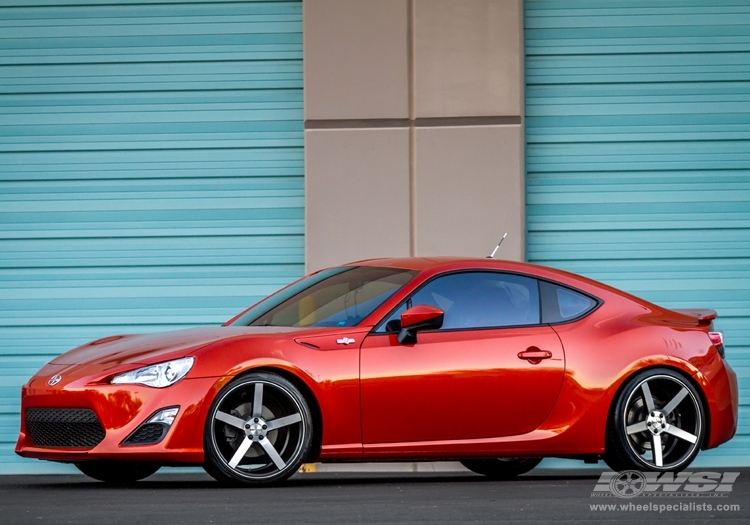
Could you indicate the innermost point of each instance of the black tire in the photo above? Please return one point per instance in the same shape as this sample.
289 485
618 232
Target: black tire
675 422
274 433
501 468
117 471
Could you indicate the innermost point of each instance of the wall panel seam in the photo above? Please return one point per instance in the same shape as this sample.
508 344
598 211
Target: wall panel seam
416 122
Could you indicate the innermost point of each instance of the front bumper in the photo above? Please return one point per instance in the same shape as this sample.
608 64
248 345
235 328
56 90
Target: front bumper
121 409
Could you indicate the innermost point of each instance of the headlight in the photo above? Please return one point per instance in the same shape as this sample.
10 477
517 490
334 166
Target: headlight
159 376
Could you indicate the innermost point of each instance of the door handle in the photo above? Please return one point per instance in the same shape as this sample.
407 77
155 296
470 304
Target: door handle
533 355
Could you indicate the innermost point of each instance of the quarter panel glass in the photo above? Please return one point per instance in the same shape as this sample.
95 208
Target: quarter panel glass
561 304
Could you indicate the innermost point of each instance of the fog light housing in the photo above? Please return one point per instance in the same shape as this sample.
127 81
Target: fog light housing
154 429
165 416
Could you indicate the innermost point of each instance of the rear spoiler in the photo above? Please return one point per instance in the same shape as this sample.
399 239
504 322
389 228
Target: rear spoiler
701 315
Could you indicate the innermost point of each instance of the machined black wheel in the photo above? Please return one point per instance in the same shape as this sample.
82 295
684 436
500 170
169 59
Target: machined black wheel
117 471
501 468
258 431
658 423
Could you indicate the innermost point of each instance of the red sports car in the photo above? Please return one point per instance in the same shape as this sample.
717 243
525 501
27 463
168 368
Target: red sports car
492 363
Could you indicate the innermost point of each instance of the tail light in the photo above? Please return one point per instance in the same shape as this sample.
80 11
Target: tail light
717 338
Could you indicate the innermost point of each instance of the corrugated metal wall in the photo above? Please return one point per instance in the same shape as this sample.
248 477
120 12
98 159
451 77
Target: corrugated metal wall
151 172
638 157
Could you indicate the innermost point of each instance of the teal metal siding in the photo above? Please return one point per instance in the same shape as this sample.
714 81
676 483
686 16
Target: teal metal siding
638 157
151 173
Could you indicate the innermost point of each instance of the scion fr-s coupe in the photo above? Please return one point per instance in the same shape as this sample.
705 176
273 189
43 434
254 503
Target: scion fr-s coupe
492 363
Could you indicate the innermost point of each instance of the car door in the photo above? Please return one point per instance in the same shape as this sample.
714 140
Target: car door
492 370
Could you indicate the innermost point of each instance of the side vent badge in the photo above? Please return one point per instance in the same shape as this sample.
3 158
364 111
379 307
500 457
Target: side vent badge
345 341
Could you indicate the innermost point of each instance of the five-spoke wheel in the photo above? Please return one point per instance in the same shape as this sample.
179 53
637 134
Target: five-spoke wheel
258 431
658 423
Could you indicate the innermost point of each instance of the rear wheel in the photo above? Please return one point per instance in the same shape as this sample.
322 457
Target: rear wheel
258 431
658 423
117 471
501 468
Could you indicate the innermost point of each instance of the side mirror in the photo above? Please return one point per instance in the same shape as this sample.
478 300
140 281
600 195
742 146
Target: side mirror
416 318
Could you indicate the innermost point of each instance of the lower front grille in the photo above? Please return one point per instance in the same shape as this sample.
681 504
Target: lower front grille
63 427
147 434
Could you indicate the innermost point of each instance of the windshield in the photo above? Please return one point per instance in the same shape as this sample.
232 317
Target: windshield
335 297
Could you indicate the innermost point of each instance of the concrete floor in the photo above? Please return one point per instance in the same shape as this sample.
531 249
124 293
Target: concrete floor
542 496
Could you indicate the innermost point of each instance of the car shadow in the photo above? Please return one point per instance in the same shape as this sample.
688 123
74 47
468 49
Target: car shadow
327 479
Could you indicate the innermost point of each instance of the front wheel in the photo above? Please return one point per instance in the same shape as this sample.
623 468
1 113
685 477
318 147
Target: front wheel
259 430
657 424
501 468
117 471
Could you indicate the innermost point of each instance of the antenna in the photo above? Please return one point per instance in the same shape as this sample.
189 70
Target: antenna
492 256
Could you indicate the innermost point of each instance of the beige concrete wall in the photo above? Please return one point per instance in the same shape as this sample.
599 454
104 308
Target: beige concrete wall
358 200
413 128
468 190
468 56
355 61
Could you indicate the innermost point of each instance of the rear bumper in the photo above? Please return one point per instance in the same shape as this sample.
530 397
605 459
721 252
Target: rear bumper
121 409
719 384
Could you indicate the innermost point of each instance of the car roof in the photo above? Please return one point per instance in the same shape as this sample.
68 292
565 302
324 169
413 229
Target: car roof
435 265
424 263
415 263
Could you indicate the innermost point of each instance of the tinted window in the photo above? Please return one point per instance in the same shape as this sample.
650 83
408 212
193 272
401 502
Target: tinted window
571 304
561 304
336 297
478 300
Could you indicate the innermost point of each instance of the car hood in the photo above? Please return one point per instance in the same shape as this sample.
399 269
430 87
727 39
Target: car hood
149 348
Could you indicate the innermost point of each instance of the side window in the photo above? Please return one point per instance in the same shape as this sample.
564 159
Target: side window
560 304
477 300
